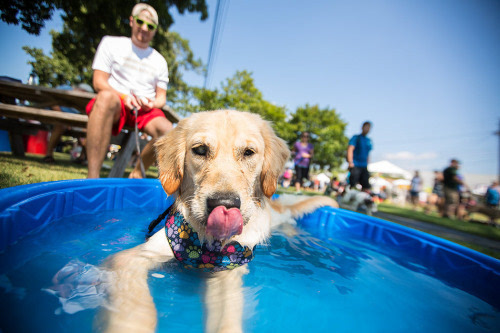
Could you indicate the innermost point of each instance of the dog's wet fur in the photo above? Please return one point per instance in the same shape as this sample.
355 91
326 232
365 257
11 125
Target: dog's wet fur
211 159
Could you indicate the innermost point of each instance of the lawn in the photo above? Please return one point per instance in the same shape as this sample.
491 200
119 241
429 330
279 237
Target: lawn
30 169
480 229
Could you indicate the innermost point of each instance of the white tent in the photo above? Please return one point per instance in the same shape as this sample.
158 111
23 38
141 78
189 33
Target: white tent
387 168
323 178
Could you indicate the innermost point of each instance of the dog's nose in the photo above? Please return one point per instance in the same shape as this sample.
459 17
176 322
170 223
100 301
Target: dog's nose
228 200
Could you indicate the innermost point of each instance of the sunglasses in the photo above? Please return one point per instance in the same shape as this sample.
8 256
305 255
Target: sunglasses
141 22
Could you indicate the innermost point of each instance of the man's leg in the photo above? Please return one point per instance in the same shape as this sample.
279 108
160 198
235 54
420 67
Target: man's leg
105 113
156 128
365 179
55 136
354 177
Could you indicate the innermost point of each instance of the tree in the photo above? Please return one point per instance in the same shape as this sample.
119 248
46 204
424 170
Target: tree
239 93
327 133
103 14
85 22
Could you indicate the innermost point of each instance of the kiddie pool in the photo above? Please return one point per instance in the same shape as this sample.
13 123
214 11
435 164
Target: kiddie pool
342 272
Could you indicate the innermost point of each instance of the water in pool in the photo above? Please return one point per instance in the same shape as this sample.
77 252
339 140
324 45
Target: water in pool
296 284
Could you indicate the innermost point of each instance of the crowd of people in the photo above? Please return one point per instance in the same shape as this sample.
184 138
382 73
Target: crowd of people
450 196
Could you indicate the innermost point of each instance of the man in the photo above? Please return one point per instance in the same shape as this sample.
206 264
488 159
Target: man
357 157
129 75
451 183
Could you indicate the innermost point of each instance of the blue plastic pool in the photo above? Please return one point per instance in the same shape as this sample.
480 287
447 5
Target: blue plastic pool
344 272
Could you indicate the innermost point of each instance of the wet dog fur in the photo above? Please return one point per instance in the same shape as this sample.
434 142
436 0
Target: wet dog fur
226 156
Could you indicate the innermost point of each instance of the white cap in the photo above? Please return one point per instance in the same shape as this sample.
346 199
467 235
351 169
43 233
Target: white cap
144 6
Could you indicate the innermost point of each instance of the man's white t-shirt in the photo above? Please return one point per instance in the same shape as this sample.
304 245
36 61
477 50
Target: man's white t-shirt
131 68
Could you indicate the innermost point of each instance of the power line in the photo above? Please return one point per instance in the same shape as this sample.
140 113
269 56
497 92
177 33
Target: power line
217 30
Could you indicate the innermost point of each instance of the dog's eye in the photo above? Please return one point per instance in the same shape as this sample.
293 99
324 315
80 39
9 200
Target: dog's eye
201 150
248 152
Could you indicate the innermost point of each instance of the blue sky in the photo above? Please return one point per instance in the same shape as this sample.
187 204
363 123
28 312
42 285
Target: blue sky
426 73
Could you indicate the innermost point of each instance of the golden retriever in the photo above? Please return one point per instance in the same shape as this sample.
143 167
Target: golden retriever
222 167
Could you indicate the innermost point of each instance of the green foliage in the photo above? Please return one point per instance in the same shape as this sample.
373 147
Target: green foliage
100 17
30 14
327 134
85 22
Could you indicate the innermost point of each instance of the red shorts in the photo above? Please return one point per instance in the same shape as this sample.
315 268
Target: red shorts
126 117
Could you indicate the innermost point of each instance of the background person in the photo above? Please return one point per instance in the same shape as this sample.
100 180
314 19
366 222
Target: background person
358 152
303 151
128 74
437 196
415 188
451 185
492 195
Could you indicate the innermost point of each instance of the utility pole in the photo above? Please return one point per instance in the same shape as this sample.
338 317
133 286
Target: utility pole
498 133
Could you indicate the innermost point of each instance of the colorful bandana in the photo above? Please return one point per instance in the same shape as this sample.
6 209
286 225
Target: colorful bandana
210 257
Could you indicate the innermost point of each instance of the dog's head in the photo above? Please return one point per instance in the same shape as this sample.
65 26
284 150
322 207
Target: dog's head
221 165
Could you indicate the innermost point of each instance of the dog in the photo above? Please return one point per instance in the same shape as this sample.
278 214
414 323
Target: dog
358 201
222 168
472 206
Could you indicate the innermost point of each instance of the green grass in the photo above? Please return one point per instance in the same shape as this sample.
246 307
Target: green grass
30 169
479 229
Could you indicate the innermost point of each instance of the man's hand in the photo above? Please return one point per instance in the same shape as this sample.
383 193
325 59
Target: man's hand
145 103
130 102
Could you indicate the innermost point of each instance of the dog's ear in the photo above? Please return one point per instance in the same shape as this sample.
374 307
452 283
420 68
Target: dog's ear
276 153
170 154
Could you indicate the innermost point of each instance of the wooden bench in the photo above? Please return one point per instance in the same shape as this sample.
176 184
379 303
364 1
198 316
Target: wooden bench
16 115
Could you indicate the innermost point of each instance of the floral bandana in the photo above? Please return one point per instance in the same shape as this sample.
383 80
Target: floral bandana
210 257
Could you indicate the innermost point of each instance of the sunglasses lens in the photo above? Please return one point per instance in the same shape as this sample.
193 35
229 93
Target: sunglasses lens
141 23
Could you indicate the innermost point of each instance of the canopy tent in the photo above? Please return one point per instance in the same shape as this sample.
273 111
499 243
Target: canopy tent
389 169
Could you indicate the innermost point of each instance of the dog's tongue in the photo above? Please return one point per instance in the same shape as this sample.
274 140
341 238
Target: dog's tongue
223 223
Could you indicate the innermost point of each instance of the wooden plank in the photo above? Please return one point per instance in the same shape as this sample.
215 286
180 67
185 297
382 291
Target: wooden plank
171 115
44 116
45 97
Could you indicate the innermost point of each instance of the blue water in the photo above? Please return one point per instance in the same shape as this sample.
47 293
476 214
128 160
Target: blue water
305 283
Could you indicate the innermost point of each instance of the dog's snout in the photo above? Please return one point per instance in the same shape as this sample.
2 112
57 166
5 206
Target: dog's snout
228 200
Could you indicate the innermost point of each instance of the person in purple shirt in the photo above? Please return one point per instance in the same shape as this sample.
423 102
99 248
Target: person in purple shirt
303 152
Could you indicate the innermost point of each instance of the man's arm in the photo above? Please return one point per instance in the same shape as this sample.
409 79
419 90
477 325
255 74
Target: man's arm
161 98
100 81
350 154
458 180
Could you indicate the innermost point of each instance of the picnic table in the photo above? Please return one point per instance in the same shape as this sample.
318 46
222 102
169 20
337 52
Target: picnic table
13 116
